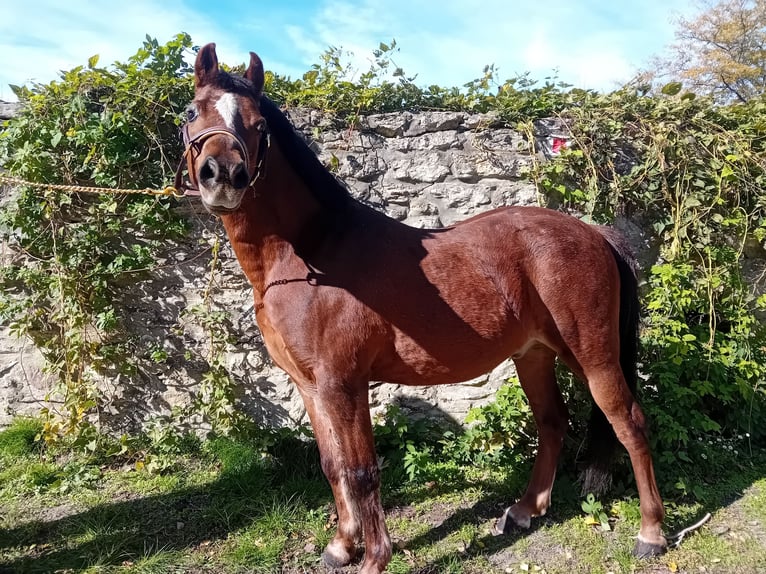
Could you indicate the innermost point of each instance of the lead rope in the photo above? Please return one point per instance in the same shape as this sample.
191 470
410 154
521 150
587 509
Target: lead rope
166 191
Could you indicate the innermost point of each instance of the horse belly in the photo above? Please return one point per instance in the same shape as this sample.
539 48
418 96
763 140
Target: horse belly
444 358
460 320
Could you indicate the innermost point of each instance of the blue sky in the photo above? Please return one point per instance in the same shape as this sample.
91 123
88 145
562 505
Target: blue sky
596 44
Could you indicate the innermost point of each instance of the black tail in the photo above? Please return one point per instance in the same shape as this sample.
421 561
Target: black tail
601 440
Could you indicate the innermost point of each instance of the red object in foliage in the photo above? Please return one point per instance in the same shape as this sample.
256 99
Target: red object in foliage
558 145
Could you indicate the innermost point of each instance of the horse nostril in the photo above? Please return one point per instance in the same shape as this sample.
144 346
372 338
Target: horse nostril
239 177
209 169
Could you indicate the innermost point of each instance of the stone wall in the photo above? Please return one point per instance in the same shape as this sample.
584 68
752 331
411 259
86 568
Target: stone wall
426 169
8 109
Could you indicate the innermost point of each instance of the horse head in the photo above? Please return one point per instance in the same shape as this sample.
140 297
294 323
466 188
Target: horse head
225 134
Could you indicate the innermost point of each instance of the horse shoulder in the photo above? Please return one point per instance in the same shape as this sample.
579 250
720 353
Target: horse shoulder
281 352
318 331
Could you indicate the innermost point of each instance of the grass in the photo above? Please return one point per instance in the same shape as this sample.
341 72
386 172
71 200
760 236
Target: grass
225 507
21 438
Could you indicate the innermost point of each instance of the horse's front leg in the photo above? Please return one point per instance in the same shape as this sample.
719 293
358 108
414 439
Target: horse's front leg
340 417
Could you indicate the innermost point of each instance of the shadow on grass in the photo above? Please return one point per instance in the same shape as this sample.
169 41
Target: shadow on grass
719 492
483 512
142 526
136 528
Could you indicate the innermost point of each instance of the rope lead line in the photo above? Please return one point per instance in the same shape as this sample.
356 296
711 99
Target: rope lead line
166 191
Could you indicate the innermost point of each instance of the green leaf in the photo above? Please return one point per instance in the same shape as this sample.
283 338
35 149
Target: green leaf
672 89
727 171
93 61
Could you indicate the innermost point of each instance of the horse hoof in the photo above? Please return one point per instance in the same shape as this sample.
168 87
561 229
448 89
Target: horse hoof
507 522
334 557
648 549
332 561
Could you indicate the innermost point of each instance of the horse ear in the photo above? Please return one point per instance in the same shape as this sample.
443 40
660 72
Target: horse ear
206 66
254 72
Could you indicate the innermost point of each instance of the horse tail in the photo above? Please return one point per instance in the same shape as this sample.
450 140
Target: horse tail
601 440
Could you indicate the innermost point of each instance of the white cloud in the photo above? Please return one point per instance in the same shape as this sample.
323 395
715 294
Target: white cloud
598 62
357 28
41 37
592 43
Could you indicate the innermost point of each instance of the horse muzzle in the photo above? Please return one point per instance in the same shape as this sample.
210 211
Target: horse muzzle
222 185
221 180
216 176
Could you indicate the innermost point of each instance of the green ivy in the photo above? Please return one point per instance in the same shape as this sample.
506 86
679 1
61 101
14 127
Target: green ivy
114 126
335 85
501 431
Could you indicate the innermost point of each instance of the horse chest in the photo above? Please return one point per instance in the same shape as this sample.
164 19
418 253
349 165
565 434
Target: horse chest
280 351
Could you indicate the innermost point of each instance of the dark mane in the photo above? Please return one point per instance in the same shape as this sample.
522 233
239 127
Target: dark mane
328 190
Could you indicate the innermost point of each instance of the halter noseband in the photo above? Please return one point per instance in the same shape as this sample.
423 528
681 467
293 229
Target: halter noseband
195 143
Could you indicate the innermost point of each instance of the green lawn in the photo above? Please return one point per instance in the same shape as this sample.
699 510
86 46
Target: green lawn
225 507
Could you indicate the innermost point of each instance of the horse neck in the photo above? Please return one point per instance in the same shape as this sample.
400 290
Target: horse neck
277 221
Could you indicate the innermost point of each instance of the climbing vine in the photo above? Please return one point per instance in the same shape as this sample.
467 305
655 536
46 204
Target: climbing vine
73 254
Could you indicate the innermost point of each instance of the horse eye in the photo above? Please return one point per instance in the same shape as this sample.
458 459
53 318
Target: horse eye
191 114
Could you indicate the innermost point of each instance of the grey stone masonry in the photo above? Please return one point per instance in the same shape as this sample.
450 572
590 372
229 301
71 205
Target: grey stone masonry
427 169
8 109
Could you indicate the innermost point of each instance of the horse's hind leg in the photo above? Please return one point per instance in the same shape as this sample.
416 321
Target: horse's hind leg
612 395
536 370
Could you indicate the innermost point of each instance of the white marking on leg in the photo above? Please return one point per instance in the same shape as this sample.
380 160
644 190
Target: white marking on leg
228 109
353 509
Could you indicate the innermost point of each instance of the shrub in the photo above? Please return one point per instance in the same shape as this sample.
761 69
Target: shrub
113 126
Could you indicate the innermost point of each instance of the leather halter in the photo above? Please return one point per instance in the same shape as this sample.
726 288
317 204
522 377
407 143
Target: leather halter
194 144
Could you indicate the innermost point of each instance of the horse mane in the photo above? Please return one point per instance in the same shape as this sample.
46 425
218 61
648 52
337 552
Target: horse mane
330 192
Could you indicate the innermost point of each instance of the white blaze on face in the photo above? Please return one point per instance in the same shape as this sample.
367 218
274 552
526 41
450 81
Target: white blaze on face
228 109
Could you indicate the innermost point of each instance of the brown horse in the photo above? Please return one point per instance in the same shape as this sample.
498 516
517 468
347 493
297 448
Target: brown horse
345 295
